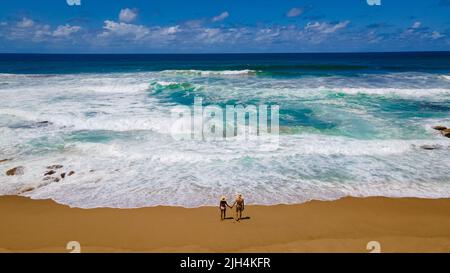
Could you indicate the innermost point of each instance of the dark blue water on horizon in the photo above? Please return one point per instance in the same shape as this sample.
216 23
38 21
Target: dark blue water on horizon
270 64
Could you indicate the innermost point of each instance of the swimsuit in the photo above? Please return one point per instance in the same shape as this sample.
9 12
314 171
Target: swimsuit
223 205
240 206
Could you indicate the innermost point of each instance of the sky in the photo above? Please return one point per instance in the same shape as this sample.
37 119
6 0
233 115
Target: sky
223 26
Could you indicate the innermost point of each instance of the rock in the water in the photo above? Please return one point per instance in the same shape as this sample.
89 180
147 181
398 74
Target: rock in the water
430 147
49 172
4 160
54 167
446 134
63 175
43 123
439 128
27 189
71 173
51 179
15 171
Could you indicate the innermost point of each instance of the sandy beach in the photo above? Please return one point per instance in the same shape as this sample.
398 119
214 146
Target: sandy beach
345 225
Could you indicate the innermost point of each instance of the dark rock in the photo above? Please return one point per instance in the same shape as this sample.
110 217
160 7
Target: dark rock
49 172
430 147
15 171
27 189
4 160
70 173
54 167
63 175
51 179
43 123
446 134
439 128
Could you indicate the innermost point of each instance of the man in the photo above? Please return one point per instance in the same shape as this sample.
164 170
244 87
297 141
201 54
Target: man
239 206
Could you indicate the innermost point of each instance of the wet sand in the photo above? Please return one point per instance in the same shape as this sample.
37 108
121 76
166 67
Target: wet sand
345 225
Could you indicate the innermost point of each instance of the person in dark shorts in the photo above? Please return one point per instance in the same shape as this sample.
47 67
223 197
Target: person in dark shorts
223 207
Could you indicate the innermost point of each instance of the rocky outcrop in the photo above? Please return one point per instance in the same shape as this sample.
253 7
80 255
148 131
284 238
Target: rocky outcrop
43 123
49 172
52 174
26 189
430 147
15 171
54 167
444 130
439 128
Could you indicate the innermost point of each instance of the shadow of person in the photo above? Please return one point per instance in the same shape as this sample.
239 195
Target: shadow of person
245 218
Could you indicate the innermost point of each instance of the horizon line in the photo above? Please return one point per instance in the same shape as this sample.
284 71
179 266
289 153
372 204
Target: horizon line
227 53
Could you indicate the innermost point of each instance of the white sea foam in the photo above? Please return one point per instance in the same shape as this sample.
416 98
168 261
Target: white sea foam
164 83
446 77
403 92
159 171
244 72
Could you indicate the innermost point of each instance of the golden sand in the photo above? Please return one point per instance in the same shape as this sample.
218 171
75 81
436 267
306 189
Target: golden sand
345 225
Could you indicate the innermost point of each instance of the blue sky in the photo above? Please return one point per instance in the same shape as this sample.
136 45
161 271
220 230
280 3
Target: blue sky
203 26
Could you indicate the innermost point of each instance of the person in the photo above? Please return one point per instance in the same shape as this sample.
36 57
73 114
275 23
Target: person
223 207
239 206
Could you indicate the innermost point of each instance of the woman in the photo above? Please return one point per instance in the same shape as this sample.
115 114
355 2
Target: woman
223 207
239 206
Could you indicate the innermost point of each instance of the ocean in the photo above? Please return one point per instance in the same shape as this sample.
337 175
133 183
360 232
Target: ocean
351 124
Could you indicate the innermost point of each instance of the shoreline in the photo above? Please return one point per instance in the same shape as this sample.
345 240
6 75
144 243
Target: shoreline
344 225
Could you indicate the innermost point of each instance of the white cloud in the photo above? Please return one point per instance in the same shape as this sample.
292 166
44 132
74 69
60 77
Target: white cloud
171 30
128 15
123 29
220 17
25 23
325 28
193 23
74 2
210 35
294 12
65 31
416 24
436 35
41 33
